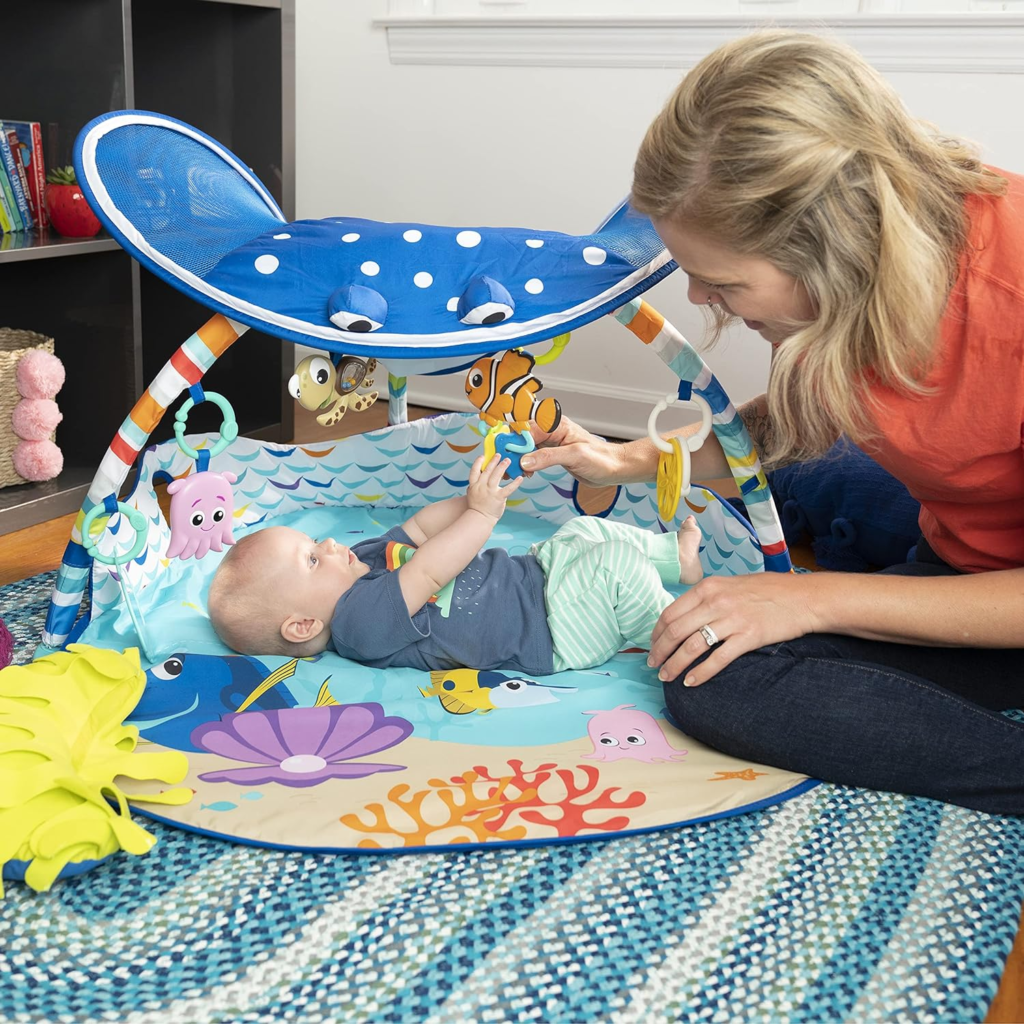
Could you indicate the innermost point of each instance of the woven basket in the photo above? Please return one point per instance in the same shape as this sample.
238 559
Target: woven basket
13 345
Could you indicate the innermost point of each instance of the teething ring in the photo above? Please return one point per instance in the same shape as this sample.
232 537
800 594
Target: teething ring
670 479
140 525
228 426
557 348
136 520
674 462
490 448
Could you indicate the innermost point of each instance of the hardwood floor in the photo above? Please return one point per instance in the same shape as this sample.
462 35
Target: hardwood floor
40 548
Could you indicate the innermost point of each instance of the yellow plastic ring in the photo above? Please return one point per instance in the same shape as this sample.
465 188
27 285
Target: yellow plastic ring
670 480
489 448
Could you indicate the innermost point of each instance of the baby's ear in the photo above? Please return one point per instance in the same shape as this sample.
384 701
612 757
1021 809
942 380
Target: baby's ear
300 629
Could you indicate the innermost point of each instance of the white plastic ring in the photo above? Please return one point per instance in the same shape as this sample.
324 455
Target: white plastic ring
689 444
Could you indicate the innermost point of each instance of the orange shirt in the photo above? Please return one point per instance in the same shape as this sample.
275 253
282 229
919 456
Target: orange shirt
960 451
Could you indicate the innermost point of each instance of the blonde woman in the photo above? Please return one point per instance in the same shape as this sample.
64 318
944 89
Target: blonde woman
884 264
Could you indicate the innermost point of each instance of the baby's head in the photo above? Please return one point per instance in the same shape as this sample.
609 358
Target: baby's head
275 592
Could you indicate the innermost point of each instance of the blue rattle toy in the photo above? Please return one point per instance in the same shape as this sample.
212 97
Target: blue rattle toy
501 441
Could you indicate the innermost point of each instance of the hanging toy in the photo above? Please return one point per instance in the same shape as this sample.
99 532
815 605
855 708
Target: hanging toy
202 504
318 384
501 441
110 507
674 460
505 391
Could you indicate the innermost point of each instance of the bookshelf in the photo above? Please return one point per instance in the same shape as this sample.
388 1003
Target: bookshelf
225 66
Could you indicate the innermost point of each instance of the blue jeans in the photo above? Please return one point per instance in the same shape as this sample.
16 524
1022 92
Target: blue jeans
899 717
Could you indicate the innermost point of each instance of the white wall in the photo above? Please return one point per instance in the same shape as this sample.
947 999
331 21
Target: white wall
546 147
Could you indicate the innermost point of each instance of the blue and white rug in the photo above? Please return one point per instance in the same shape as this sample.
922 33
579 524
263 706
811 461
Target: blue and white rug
837 905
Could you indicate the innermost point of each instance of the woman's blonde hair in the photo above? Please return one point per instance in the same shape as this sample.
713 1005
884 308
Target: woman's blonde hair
790 147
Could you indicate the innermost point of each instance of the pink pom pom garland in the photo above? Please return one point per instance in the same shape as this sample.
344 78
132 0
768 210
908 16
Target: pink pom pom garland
35 419
37 460
39 375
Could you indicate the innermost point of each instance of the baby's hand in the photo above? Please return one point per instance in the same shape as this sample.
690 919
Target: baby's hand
485 493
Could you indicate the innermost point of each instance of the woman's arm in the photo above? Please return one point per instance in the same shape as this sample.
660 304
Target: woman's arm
593 460
984 609
747 612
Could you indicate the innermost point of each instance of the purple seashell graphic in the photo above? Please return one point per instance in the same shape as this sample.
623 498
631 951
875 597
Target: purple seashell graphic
301 746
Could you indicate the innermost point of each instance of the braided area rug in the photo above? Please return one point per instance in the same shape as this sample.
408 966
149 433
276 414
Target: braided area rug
838 905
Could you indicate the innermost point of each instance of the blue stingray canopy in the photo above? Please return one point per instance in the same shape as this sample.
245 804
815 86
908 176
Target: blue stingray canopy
194 214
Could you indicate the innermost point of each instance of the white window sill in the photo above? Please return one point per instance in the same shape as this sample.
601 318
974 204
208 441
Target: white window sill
978 43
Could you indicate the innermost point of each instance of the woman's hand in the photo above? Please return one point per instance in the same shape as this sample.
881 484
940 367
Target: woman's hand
485 493
589 458
745 613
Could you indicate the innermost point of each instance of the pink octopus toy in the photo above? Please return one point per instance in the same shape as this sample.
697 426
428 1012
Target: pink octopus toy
623 733
202 514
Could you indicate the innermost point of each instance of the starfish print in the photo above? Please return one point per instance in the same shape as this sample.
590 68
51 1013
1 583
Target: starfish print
748 775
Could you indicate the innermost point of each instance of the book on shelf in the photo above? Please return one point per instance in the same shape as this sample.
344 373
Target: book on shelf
9 204
12 173
30 141
6 224
12 141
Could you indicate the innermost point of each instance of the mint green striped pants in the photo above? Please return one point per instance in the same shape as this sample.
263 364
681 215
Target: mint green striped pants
603 587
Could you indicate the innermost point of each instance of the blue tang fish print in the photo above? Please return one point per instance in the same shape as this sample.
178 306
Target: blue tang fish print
187 690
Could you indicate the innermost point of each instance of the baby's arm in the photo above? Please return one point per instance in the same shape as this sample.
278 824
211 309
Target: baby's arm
445 554
433 518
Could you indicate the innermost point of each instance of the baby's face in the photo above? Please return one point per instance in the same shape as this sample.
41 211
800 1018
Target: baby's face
305 576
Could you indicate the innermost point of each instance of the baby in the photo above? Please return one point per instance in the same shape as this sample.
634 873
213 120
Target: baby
424 595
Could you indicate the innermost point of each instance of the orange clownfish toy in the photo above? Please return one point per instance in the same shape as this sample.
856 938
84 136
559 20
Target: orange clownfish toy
505 391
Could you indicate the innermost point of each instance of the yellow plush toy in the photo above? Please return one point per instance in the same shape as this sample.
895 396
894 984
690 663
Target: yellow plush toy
62 744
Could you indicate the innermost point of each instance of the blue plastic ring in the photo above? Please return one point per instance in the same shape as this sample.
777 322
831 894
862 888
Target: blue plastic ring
137 521
228 426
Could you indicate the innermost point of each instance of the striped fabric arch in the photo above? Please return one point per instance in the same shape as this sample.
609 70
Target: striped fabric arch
186 367
647 324
190 362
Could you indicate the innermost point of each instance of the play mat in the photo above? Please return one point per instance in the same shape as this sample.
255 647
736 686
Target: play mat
331 754
322 753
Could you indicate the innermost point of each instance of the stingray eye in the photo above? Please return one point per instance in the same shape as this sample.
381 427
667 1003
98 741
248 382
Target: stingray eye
476 379
485 301
293 387
608 741
218 515
170 669
197 519
636 740
356 308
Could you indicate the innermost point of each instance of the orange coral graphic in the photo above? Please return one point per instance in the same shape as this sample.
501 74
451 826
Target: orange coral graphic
480 807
